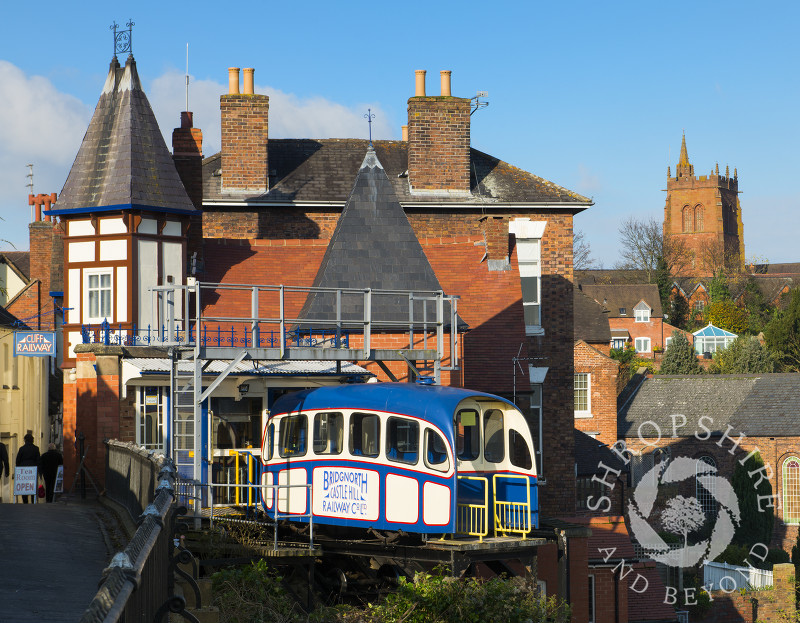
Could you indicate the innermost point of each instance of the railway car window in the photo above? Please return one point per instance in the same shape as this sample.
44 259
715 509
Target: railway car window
435 451
518 450
402 440
293 435
493 449
267 452
365 434
328 433
468 435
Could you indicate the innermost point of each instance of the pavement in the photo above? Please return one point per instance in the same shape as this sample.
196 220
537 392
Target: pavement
52 558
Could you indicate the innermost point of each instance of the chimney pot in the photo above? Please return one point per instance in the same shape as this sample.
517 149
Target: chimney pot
445 77
404 133
248 80
233 81
420 83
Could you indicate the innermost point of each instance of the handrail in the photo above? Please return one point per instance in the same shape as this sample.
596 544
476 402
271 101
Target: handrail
512 516
473 519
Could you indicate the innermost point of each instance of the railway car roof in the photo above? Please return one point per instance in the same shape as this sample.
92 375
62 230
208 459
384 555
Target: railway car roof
434 403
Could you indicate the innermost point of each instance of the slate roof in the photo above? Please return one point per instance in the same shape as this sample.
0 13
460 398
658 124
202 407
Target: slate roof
123 161
20 259
609 276
373 246
590 322
322 170
614 297
758 405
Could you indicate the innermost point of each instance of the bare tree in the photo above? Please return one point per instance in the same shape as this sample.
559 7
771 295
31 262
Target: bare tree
716 259
581 252
641 244
683 515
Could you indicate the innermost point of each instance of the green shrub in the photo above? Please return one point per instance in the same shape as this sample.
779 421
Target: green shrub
777 556
253 594
438 599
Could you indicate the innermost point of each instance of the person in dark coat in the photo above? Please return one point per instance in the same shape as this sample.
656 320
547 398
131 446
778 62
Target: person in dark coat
49 467
28 456
3 466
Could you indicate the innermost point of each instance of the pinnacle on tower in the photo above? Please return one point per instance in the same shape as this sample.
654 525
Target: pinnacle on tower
716 169
727 171
684 168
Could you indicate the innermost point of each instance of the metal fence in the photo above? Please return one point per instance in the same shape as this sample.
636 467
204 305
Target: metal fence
722 576
138 583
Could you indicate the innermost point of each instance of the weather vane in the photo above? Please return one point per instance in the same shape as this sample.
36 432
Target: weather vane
123 38
369 117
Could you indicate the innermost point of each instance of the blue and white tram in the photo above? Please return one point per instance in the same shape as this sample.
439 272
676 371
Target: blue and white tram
421 458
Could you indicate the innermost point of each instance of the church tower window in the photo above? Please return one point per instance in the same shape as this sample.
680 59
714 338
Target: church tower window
698 218
687 220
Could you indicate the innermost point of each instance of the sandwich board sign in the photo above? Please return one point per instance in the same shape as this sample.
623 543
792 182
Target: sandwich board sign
59 488
35 343
25 480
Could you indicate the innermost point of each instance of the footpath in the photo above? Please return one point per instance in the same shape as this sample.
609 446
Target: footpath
52 558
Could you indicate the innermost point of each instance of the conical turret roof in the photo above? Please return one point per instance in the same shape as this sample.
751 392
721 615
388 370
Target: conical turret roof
684 168
373 246
123 161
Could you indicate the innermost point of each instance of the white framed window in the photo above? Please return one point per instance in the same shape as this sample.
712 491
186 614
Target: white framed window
791 490
528 236
642 312
642 344
705 492
582 385
98 288
667 342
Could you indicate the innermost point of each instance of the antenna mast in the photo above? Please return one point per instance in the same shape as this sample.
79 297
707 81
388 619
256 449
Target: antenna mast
30 184
187 77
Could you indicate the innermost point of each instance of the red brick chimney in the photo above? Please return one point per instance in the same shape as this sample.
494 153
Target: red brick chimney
438 139
187 154
46 263
245 130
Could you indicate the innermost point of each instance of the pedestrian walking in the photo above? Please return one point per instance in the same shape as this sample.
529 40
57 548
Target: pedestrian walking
27 456
3 466
49 467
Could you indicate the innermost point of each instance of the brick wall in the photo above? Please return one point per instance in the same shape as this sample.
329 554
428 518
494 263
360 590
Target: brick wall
603 373
610 596
653 329
438 143
187 154
245 129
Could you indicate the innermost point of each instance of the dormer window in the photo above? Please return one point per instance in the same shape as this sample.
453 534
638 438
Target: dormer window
623 311
642 312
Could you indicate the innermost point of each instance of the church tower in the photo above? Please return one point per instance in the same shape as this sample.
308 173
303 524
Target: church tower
703 212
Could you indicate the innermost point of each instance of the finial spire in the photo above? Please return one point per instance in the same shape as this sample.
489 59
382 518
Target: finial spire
684 159
716 169
369 117
123 39
727 171
684 168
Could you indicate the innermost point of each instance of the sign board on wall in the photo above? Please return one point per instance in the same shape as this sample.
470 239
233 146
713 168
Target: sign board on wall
25 480
35 343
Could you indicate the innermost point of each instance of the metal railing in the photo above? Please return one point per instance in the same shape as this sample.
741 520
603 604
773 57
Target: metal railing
253 494
138 583
473 519
510 516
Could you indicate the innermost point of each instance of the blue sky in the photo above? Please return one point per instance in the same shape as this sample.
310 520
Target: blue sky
592 96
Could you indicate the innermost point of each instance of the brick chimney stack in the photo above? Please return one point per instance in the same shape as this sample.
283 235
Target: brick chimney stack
187 154
46 262
245 130
438 139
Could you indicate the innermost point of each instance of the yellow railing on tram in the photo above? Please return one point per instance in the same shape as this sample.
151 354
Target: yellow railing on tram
473 519
509 516
251 475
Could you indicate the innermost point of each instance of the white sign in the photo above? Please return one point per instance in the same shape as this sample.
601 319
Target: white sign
59 488
25 480
347 493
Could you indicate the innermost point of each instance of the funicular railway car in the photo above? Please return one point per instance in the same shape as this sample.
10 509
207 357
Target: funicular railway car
400 456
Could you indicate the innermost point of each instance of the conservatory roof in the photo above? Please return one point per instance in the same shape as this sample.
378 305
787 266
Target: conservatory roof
711 331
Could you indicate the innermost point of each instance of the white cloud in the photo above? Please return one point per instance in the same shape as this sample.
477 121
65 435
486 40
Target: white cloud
289 115
38 125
